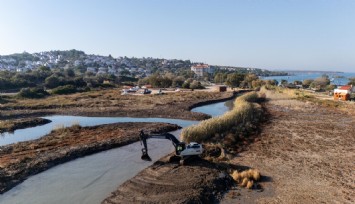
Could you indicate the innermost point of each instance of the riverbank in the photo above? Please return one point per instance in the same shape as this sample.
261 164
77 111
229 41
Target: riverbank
112 104
12 125
203 180
21 160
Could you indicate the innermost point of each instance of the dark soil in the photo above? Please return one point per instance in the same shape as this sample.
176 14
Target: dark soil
21 160
198 182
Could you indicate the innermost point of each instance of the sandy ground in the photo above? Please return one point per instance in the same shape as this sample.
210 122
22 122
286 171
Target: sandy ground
307 153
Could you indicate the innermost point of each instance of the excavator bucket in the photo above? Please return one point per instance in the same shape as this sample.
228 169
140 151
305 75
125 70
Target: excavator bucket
145 155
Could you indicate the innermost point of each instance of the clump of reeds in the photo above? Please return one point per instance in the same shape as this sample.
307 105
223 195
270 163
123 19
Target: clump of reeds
250 184
242 112
246 178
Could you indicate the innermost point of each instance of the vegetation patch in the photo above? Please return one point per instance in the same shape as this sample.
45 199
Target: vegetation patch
32 93
67 89
244 115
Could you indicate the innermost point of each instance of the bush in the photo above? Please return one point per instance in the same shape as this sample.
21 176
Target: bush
242 113
67 89
32 93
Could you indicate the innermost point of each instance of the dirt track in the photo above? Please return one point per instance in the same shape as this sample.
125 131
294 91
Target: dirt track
308 153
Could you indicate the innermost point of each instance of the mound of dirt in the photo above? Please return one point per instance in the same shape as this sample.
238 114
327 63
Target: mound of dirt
164 182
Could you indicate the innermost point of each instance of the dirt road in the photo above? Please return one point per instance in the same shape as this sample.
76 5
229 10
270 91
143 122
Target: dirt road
306 151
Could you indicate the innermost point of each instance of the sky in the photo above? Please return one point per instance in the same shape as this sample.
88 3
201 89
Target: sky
270 34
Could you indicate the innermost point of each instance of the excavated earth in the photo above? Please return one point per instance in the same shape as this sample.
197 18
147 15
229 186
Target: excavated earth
305 151
165 182
21 160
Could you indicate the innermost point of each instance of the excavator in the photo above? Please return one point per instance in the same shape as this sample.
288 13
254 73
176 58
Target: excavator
183 152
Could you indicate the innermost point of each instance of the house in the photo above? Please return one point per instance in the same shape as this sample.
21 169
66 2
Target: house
200 69
77 63
91 69
343 92
102 70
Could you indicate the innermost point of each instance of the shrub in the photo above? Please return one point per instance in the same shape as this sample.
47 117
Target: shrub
242 113
236 176
250 184
244 182
32 93
67 89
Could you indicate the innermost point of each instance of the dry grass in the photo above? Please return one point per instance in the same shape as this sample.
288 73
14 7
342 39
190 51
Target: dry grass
236 176
256 175
242 112
250 184
246 178
244 182
6 124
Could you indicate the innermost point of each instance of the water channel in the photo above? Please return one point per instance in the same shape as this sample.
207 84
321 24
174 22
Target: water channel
90 179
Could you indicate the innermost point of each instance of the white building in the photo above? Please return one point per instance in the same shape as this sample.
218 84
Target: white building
91 69
199 69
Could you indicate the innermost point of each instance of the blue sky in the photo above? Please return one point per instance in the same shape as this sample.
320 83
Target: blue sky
272 34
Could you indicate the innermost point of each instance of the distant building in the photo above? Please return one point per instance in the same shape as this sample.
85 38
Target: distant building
91 69
343 92
199 69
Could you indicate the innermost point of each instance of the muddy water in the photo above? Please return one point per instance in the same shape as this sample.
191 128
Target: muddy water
91 179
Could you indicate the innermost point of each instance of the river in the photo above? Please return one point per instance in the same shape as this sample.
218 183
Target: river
91 179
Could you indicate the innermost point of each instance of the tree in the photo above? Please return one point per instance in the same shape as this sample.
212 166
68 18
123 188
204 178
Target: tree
320 83
178 81
219 78
70 72
297 82
307 82
196 85
247 82
351 81
284 81
234 79
52 82
257 83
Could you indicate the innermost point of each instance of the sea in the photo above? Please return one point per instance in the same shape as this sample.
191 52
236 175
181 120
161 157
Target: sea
337 78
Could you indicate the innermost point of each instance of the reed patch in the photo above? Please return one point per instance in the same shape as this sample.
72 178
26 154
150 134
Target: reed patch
244 113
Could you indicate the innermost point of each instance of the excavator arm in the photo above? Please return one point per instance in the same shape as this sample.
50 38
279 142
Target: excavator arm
143 138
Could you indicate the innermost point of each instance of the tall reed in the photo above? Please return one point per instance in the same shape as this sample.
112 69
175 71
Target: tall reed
242 112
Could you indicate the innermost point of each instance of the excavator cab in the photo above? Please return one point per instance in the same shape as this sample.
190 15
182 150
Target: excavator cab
180 147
